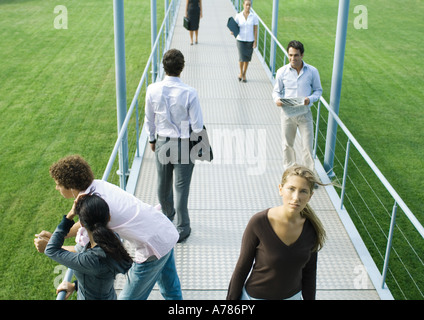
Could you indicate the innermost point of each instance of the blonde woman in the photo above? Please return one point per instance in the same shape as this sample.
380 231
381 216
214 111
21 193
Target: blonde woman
280 244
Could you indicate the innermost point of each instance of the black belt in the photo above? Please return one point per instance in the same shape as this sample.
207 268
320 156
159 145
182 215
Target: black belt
162 138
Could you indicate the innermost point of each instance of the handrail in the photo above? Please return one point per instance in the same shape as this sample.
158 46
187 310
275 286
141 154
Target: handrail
377 171
68 277
134 100
69 273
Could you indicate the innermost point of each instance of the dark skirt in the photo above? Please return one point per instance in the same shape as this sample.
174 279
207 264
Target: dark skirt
193 13
245 50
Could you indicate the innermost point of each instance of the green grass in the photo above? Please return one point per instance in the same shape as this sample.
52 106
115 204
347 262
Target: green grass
57 98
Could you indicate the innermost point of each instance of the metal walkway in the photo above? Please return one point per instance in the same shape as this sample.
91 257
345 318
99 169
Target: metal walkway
239 182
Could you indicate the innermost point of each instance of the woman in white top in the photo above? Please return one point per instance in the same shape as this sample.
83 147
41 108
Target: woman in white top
247 37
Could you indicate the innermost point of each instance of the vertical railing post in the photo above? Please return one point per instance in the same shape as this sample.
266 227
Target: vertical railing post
389 245
316 129
154 32
336 85
137 129
166 20
121 89
68 277
274 32
345 174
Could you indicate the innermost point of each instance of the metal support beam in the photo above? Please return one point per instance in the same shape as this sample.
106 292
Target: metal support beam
167 19
274 32
336 85
121 88
154 34
389 245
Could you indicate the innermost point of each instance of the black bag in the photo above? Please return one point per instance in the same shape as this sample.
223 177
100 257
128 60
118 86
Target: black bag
200 148
233 26
186 23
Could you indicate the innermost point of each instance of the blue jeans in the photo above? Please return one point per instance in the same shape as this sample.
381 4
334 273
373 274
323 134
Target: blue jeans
142 277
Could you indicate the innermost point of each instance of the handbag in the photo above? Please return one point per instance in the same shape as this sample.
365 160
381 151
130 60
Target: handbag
186 23
200 148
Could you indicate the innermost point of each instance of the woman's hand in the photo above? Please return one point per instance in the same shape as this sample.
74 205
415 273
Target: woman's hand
41 240
71 213
66 286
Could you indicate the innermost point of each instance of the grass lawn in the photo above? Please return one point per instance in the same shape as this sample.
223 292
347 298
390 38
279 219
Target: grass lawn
57 98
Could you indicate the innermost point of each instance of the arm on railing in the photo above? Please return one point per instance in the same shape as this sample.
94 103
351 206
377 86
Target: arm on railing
68 277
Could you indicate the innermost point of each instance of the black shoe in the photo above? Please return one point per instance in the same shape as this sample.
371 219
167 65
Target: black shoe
183 237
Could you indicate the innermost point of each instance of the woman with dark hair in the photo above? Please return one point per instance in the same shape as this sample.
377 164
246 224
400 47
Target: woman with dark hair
104 256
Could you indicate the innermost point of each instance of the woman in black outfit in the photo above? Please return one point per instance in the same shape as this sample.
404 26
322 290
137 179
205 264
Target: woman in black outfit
193 13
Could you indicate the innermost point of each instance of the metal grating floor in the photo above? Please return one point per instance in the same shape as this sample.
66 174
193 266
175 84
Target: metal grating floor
239 182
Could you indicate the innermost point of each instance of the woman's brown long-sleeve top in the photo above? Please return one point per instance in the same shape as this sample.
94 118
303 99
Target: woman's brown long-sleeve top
279 271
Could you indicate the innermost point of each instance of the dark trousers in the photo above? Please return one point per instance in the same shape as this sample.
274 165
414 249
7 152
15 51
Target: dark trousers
173 164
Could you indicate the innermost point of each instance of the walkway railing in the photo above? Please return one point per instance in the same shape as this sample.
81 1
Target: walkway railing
152 72
373 204
133 121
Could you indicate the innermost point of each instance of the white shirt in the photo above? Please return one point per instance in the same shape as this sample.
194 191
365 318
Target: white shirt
246 26
171 108
289 84
149 230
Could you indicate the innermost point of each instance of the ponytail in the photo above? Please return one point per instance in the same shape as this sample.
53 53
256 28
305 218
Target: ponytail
109 242
94 214
310 214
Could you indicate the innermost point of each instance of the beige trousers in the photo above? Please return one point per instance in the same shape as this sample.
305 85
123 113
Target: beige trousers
289 128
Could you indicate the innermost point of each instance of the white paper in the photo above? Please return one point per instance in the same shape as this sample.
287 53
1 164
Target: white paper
294 106
293 102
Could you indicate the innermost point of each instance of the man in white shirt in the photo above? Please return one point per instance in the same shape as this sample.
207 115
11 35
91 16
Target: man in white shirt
172 112
297 79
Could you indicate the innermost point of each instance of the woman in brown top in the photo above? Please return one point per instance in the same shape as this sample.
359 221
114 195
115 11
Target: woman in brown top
282 244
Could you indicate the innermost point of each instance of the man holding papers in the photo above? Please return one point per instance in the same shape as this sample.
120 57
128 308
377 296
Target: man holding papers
297 87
